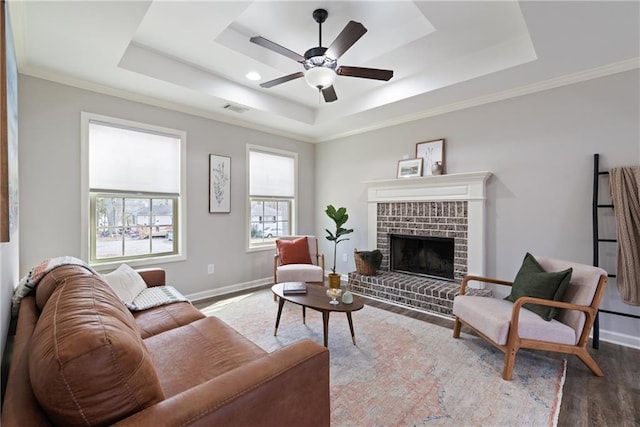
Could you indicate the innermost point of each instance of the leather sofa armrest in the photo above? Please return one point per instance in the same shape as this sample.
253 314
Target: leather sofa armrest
287 387
20 407
153 276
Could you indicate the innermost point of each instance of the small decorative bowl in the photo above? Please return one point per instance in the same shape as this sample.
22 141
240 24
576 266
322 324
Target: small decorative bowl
334 293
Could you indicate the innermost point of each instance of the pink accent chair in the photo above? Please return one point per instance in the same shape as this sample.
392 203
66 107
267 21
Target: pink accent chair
300 272
509 326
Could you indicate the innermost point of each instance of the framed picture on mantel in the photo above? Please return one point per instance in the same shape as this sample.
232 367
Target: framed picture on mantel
409 168
433 154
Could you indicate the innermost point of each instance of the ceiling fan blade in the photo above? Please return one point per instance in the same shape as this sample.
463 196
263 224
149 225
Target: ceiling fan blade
365 73
329 94
261 41
283 79
349 35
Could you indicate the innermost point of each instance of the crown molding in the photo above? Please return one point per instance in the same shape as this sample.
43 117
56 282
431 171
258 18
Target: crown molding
156 102
569 79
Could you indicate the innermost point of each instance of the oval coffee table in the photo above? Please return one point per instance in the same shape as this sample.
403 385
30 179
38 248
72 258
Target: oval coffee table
317 299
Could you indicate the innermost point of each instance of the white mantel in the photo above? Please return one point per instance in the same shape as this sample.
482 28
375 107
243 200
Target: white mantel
470 187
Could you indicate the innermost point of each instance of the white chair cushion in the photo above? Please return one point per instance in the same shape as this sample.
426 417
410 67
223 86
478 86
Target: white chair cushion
299 273
491 316
581 289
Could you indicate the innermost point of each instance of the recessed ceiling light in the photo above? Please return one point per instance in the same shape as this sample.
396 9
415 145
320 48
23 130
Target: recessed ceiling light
253 76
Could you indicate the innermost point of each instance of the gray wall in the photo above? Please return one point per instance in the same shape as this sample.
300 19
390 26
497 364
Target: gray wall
50 184
540 149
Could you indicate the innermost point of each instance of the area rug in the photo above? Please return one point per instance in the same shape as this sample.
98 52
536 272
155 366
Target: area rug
406 372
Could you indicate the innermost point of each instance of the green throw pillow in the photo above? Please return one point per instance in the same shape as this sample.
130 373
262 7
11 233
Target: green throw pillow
533 281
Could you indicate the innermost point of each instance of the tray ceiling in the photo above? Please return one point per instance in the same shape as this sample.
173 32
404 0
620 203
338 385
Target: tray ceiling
194 55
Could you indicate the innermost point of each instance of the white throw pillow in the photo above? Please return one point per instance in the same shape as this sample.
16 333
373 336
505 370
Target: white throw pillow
126 282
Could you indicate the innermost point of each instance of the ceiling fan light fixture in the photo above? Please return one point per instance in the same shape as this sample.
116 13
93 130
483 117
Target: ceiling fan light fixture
253 76
320 77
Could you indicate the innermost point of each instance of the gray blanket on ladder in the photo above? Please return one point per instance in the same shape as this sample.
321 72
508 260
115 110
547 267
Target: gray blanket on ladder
625 193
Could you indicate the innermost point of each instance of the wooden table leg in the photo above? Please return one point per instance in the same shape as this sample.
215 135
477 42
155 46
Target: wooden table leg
353 335
304 315
280 305
325 323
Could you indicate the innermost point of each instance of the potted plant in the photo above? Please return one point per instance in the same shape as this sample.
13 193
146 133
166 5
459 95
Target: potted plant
339 217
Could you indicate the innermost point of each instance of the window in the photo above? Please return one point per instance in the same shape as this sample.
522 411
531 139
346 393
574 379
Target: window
272 194
133 179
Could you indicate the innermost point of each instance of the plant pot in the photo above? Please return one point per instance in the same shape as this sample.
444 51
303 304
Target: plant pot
334 280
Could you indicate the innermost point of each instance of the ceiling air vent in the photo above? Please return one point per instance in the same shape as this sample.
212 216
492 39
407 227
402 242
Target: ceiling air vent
235 108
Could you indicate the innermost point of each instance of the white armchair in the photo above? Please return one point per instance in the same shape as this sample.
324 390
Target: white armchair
286 271
509 326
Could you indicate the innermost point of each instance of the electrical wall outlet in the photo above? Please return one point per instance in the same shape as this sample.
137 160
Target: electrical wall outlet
211 269
344 257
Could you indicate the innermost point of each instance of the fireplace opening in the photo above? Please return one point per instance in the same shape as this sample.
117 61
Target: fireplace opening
422 255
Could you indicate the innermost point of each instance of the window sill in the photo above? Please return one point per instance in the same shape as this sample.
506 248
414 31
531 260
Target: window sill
143 262
268 247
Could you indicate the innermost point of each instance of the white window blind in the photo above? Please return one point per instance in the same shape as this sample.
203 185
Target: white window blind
130 160
272 175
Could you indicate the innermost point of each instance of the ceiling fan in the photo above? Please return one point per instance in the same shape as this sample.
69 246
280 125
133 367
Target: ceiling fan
320 63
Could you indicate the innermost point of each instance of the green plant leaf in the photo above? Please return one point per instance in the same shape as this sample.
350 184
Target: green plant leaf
339 217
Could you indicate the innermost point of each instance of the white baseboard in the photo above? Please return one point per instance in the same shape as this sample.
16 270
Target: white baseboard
198 296
620 339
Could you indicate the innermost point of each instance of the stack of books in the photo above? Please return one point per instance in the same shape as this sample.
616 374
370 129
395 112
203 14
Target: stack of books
293 288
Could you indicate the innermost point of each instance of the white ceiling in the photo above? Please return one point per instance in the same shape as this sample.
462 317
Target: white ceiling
193 55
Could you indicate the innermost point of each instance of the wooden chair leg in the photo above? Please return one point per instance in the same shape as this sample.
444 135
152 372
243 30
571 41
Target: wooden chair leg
456 328
509 361
591 364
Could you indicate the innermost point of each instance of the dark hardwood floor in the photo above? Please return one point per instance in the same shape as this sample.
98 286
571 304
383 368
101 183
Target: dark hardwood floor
587 400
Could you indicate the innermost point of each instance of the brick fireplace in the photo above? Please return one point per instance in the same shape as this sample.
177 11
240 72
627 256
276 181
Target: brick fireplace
451 206
430 219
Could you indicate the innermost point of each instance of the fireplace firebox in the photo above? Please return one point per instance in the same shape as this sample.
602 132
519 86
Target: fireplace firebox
422 255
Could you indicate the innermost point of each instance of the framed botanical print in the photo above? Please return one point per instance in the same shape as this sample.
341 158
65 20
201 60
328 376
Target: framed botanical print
433 154
219 184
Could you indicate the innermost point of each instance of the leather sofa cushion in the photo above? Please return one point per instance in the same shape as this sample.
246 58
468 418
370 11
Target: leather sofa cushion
159 319
88 364
192 354
50 281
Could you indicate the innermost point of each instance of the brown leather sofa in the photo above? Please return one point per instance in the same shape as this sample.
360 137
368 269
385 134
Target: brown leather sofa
81 358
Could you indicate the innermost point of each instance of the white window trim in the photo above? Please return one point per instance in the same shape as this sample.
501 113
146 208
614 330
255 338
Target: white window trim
85 213
294 204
